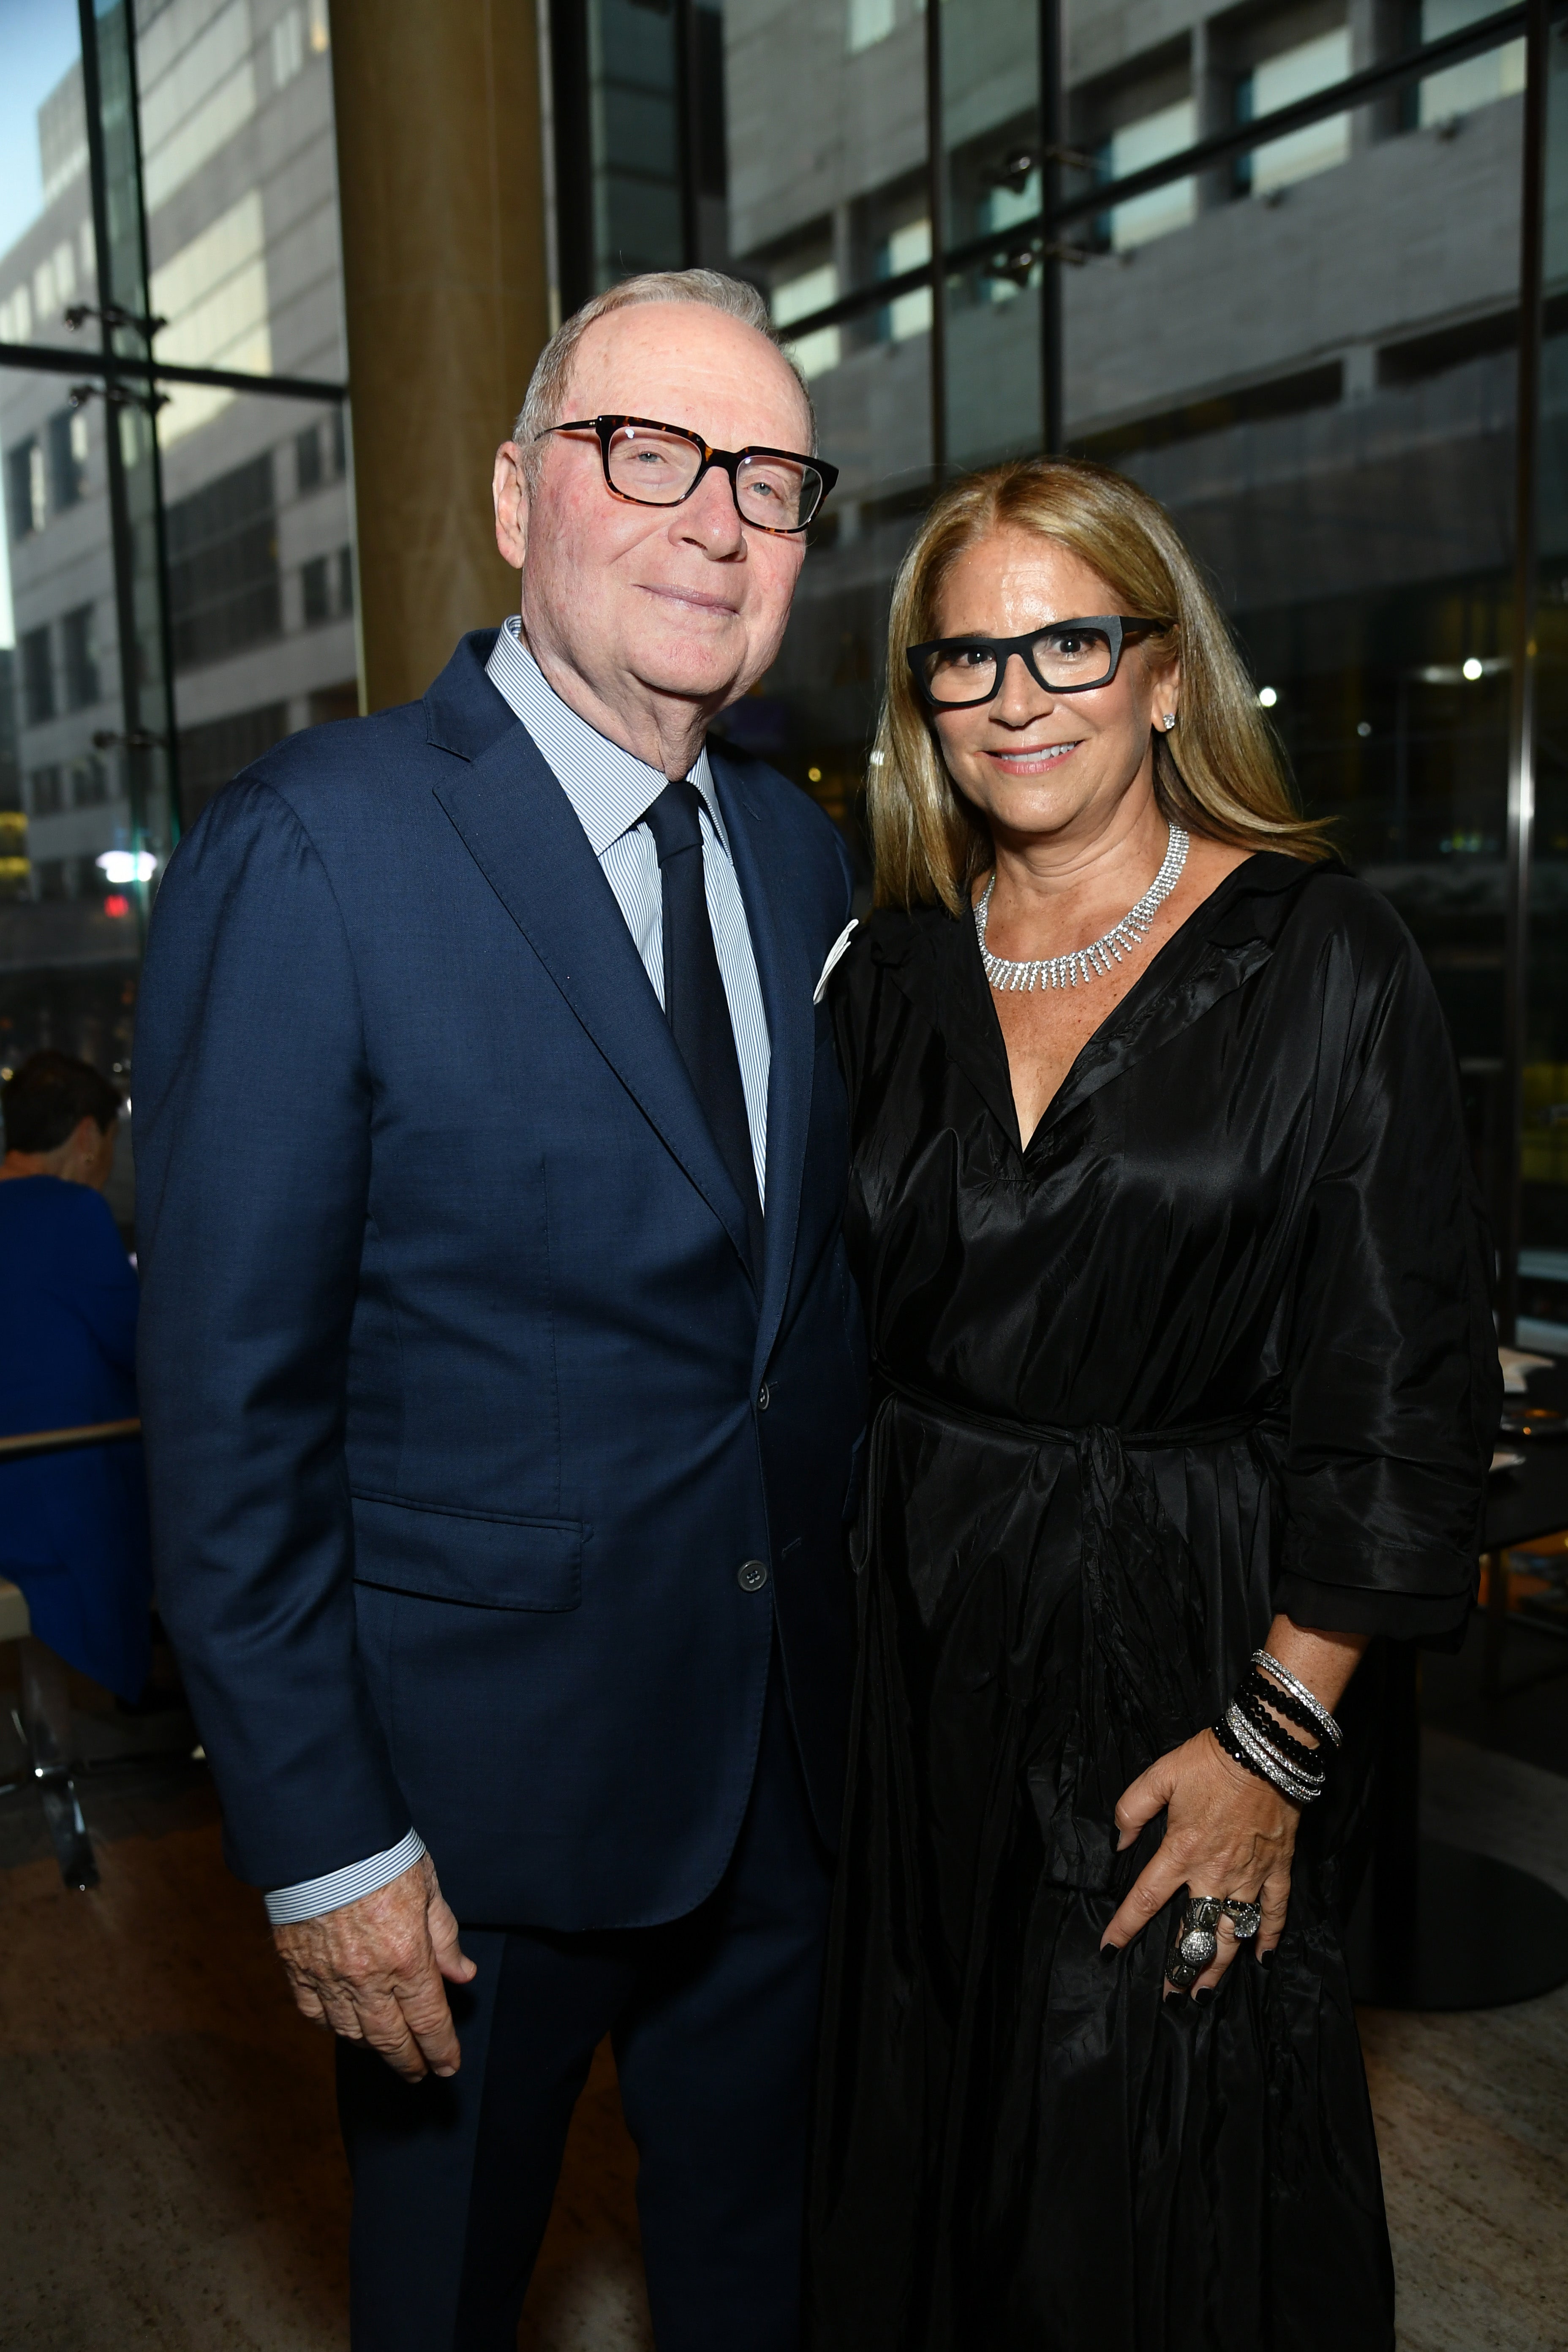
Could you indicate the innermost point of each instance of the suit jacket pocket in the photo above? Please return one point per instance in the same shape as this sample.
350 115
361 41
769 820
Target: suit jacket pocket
491 1562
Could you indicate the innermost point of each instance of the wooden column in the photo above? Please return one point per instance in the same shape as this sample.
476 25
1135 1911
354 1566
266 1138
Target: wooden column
445 290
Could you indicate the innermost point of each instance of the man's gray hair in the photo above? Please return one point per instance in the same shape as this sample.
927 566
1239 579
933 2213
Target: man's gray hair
551 376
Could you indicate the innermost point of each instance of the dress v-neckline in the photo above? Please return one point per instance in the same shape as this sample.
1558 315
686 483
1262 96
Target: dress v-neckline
1019 1140
1172 964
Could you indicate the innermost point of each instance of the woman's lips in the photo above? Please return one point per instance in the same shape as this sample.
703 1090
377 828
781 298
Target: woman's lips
1031 758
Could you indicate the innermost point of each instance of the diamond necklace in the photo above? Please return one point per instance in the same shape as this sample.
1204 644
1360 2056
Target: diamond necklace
1086 963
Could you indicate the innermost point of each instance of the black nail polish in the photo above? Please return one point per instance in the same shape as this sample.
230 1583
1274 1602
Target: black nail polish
1109 1952
1204 1995
1266 1959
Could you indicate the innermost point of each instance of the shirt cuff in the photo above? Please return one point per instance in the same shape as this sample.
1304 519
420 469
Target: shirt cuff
286 1905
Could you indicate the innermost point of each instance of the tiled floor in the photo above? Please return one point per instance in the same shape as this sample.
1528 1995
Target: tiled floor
1472 2109
170 2177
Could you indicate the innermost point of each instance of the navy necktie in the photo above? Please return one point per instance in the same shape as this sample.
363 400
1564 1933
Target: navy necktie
694 1004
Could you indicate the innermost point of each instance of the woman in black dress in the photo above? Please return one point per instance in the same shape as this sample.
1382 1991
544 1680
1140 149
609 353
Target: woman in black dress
1177 1295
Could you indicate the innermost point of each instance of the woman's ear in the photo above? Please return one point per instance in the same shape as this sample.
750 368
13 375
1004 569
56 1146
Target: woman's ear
1165 695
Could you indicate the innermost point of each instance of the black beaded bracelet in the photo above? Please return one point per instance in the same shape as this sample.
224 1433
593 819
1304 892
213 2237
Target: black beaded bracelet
1257 1739
1238 1753
1309 1761
1283 1704
1266 1764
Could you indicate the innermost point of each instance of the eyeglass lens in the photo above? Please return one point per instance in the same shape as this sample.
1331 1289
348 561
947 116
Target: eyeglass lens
1066 659
658 469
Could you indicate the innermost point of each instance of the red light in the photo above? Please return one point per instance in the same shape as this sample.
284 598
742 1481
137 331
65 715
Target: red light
116 905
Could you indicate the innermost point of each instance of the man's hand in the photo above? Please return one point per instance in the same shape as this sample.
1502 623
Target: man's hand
372 1971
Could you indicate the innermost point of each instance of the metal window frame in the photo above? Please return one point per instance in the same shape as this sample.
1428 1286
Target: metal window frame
1381 81
139 370
1522 759
1533 20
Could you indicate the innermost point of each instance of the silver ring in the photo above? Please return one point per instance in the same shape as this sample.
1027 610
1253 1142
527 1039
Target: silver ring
1246 1918
1194 1945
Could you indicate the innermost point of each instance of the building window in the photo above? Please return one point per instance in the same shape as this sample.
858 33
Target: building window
288 48
79 644
213 292
327 586
17 317
1498 73
37 676
211 755
45 792
89 783
1132 148
1291 74
24 500
318 453
68 458
868 22
317 594
225 590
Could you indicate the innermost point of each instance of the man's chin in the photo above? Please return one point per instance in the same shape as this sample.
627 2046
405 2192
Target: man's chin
682 675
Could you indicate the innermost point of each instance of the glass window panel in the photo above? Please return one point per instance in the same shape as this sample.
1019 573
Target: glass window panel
1543 1257
47 258
1133 148
827 146
76 855
1500 73
991 131
240 184
813 715
1281 80
1329 417
259 525
637 200
824 104
869 21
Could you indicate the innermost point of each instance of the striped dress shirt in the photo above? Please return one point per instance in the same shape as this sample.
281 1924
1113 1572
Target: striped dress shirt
612 791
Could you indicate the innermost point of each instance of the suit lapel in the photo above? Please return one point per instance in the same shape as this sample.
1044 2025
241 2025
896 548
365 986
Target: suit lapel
787 975
523 834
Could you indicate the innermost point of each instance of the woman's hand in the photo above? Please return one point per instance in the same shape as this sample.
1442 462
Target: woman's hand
1226 1834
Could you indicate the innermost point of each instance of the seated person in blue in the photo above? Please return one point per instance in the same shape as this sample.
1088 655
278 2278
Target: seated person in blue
73 1526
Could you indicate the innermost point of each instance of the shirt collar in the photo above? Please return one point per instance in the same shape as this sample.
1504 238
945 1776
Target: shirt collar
611 790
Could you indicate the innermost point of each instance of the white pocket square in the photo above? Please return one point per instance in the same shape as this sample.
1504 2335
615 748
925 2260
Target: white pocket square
834 952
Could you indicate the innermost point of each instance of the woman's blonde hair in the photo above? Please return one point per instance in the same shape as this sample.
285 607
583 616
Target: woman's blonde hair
1221 774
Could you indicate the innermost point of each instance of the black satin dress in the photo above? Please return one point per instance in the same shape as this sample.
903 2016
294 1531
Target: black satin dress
1217 1343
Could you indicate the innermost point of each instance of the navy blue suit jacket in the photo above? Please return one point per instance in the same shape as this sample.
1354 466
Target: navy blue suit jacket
452 1372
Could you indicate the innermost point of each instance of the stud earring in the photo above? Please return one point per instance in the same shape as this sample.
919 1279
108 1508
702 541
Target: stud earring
1169 721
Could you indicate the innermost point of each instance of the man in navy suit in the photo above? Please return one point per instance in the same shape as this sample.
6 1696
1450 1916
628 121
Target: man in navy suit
501 1373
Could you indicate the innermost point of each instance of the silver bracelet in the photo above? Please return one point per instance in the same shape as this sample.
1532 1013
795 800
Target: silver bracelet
1309 1699
1284 1777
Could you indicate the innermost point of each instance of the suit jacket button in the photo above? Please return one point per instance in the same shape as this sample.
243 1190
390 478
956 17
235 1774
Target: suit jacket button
764 1397
752 1575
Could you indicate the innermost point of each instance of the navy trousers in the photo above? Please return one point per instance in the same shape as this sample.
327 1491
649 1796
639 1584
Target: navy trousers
713 2020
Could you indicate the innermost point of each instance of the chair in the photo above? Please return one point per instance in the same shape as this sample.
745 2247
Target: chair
44 1728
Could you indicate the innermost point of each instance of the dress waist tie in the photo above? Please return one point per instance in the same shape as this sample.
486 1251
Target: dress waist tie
1107 1662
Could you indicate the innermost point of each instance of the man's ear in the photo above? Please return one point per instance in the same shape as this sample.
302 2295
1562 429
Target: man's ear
508 488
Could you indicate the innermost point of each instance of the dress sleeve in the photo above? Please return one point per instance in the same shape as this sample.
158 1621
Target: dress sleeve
105 1294
1394 1389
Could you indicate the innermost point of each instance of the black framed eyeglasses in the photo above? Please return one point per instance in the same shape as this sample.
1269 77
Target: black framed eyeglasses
1066 657
653 465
